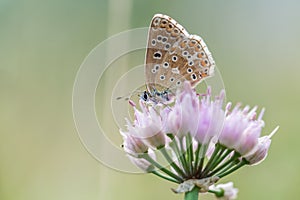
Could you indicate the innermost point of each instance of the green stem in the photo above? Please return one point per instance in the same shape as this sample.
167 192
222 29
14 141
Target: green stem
225 154
187 169
192 195
218 193
242 163
179 154
196 158
153 162
202 153
190 152
222 170
211 160
165 177
226 163
221 158
171 162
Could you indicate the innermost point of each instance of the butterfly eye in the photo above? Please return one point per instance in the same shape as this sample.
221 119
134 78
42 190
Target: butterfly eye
145 96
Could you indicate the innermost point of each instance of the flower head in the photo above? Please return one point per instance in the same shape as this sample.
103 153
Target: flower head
201 141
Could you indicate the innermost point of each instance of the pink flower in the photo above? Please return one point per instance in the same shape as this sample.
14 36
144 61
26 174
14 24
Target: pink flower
183 116
261 151
133 145
241 131
148 126
211 118
143 164
203 141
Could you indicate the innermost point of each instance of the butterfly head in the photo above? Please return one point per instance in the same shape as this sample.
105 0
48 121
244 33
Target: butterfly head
145 96
156 96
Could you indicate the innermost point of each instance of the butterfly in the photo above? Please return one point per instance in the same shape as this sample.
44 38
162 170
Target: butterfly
172 57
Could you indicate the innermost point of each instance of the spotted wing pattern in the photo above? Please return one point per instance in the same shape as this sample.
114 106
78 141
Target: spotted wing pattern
174 56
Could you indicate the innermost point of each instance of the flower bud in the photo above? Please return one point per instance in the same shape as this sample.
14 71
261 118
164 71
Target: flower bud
262 149
228 192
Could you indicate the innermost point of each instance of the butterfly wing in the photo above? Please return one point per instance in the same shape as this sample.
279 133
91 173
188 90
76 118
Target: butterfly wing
174 56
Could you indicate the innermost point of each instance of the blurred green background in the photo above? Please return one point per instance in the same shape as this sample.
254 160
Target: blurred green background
43 43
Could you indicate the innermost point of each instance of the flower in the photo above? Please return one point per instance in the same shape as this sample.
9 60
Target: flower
200 141
262 149
225 191
148 126
210 118
241 130
142 163
133 145
183 117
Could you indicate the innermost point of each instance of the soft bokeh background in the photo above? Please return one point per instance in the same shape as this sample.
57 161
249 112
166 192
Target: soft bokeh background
42 44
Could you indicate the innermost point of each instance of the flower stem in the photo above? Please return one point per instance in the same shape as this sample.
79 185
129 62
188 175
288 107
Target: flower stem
242 163
218 193
183 151
171 162
202 152
224 155
179 154
196 158
225 164
190 152
211 160
165 177
148 158
192 195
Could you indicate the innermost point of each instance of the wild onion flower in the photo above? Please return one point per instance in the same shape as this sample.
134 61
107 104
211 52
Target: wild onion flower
201 141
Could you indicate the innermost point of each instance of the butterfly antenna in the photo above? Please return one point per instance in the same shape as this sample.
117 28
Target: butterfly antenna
127 96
